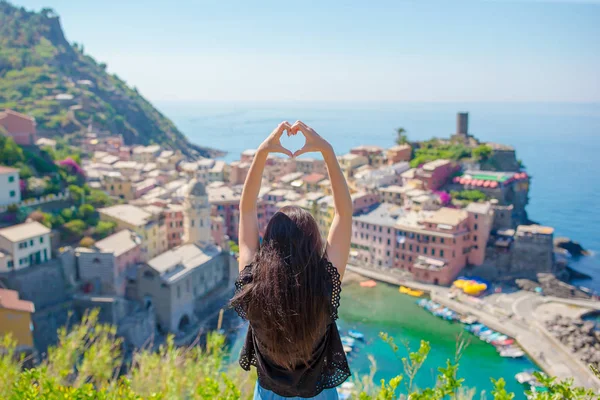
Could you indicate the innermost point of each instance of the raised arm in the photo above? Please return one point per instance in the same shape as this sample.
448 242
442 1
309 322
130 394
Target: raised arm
248 231
340 232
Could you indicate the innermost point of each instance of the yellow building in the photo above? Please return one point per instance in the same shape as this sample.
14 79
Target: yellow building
150 226
325 214
15 318
349 162
117 185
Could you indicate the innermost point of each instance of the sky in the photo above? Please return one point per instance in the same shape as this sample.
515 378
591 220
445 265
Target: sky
416 51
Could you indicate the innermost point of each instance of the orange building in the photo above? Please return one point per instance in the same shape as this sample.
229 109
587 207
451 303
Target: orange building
15 317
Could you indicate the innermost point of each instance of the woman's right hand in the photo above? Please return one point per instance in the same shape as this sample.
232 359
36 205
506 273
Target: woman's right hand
314 142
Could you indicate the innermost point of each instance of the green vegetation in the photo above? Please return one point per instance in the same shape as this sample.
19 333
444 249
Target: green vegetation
105 228
87 242
233 247
435 149
469 195
86 362
37 64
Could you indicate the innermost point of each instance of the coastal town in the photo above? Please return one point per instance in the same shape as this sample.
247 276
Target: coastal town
147 235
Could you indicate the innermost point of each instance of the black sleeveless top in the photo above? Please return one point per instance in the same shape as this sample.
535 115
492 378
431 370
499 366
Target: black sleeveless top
327 369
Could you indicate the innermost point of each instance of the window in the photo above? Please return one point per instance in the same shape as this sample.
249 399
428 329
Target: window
433 252
187 286
418 248
476 216
409 258
410 247
389 242
441 253
178 292
10 264
474 238
31 242
42 239
380 229
387 253
11 179
402 256
433 239
389 230
475 226
441 240
425 250
12 193
367 236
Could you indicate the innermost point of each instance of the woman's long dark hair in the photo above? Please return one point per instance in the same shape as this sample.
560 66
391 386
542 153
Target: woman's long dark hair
287 301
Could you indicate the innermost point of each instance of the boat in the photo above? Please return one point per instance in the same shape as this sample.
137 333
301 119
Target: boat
410 292
505 342
356 334
527 377
347 349
468 319
368 284
512 353
348 341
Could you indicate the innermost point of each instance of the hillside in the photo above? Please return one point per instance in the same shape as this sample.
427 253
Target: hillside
37 64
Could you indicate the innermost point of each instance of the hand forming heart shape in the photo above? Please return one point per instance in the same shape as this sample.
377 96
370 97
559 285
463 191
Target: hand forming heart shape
313 142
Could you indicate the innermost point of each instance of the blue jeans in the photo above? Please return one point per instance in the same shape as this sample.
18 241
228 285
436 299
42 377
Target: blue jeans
264 394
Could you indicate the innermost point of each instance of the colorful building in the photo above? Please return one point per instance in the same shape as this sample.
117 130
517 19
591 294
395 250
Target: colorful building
151 227
15 318
10 189
24 245
435 174
350 162
174 222
103 268
311 181
433 245
398 153
375 154
18 126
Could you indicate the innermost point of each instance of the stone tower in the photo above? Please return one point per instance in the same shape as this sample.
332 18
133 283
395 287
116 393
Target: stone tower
197 215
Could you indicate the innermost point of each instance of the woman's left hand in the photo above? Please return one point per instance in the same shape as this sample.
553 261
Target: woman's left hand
272 144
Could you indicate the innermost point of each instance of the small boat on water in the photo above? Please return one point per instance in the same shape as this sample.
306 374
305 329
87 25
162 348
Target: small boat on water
410 292
368 284
348 341
511 352
527 377
505 342
356 334
468 319
347 349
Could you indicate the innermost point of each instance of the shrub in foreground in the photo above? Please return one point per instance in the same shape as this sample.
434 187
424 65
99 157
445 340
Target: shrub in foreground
87 363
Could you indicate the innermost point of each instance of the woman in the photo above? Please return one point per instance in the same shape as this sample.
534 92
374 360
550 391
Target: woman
289 285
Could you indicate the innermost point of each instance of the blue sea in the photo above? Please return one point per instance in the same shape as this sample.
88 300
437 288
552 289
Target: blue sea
558 143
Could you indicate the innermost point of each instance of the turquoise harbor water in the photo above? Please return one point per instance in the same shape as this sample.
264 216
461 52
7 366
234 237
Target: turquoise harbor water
558 143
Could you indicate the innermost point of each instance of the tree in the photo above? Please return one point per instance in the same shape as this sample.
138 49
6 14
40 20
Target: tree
401 137
482 152
98 198
76 193
86 212
75 228
104 228
87 242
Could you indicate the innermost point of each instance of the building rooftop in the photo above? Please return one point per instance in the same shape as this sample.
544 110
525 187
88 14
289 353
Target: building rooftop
24 231
447 216
127 213
384 214
288 178
369 148
119 243
479 208
313 178
400 147
350 157
523 230
410 174
146 149
223 194
395 189
432 165
177 262
9 299
7 170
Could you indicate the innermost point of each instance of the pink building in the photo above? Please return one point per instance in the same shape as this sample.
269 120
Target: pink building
238 171
398 153
363 201
103 268
435 174
19 126
434 246
174 225
247 155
